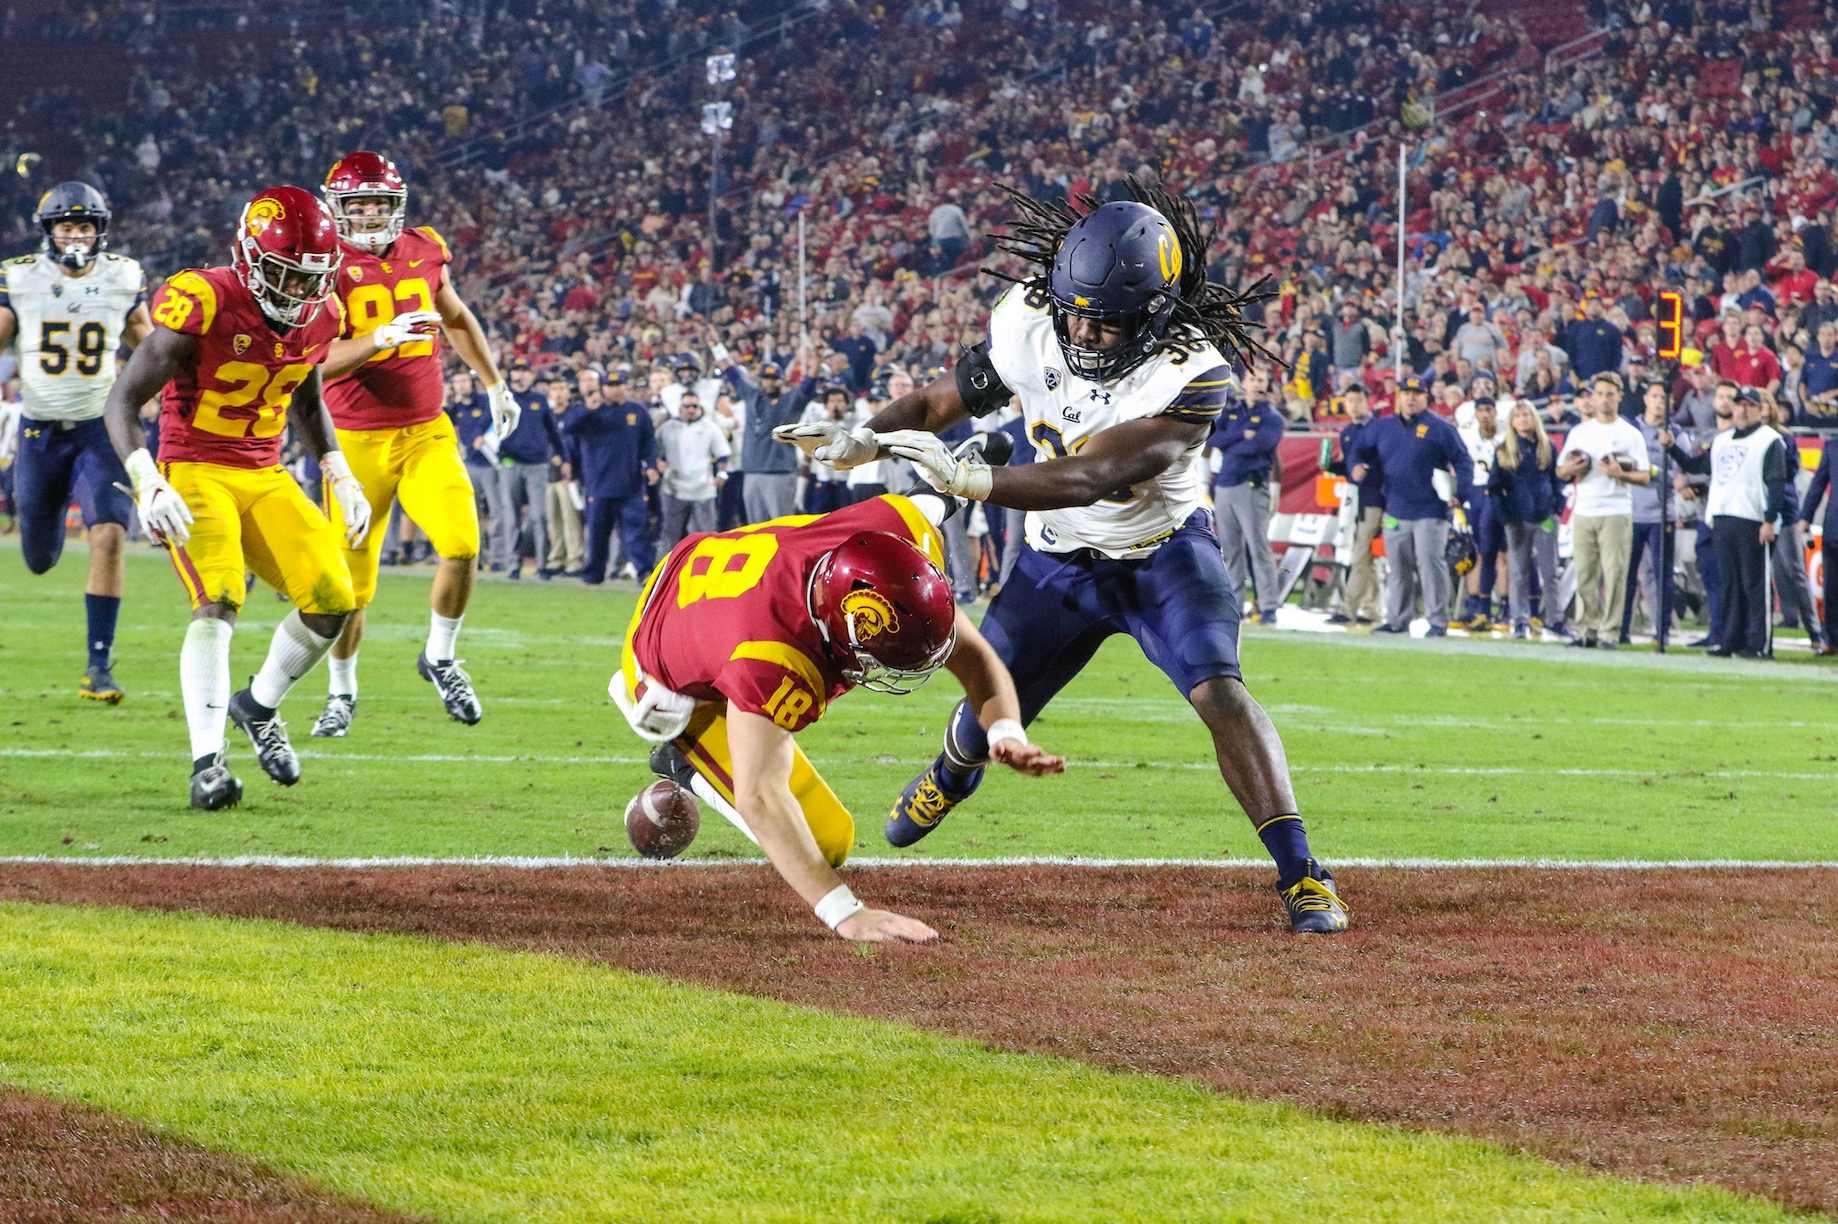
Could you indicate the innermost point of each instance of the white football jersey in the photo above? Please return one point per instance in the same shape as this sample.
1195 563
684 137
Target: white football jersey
1063 412
68 330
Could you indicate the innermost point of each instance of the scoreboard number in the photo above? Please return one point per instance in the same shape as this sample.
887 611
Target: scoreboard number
1671 324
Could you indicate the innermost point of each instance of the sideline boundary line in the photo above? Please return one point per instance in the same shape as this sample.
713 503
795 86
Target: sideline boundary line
559 862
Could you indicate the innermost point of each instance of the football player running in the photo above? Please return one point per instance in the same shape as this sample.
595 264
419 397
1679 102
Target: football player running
237 352
1113 346
383 387
743 638
69 308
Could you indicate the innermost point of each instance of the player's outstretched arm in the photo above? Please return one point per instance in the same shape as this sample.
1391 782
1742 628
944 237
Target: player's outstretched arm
156 360
931 408
466 334
991 691
762 753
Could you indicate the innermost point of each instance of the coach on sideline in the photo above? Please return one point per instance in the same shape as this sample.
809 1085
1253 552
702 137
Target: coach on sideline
1748 478
1408 450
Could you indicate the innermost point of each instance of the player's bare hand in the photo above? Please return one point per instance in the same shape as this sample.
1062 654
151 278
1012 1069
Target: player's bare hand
884 926
1030 759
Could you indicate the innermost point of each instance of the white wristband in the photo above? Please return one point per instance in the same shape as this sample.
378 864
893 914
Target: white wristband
838 905
1005 729
334 464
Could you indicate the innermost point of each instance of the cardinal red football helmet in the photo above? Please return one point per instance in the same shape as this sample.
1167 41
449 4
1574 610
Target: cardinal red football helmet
882 605
286 253
363 175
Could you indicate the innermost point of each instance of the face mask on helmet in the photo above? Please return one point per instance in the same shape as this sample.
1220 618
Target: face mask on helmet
74 253
1110 362
286 292
362 227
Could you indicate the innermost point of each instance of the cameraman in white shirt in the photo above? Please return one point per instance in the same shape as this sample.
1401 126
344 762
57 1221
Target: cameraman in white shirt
1603 455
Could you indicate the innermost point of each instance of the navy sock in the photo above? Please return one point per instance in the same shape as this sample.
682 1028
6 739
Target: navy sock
958 783
103 609
1287 841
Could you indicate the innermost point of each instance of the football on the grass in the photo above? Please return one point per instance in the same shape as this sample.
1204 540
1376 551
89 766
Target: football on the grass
662 820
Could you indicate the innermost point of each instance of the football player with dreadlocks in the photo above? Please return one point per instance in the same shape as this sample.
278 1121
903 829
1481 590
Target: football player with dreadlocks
1116 347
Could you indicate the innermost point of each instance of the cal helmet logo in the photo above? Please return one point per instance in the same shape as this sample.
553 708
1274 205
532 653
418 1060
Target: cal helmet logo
264 213
870 615
241 344
1168 251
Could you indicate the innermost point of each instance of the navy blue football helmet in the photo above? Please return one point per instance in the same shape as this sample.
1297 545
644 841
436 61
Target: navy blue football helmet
72 201
1120 263
688 369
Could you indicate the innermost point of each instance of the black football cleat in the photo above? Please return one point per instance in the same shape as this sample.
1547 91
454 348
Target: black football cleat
1314 907
920 807
99 685
454 686
335 719
267 735
215 788
668 761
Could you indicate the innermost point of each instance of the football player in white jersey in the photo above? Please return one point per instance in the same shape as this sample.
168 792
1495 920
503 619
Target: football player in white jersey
1113 347
68 310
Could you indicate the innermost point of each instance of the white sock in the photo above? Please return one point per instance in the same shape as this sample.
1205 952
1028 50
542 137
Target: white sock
705 791
443 635
204 681
291 654
344 675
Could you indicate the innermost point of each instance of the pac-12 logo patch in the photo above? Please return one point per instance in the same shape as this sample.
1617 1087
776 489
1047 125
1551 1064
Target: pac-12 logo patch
241 344
264 213
357 274
870 615
1052 377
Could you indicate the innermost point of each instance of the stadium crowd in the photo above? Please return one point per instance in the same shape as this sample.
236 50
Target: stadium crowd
557 145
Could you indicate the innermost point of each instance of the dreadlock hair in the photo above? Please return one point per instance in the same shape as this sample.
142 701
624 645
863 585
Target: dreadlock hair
1205 312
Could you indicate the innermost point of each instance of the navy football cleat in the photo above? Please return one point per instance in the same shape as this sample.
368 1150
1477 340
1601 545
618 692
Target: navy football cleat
921 806
1314 907
99 685
214 787
267 735
454 686
335 719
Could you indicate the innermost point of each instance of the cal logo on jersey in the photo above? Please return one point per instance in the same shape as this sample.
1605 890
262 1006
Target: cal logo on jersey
1423 431
870 615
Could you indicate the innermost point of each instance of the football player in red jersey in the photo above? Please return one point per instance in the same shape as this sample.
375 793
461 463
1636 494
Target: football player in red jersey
742 638
236 351
383 386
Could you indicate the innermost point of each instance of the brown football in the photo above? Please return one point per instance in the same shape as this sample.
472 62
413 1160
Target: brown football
662 820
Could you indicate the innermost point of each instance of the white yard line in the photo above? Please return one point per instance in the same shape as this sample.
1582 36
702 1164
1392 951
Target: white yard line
1451 771
540 863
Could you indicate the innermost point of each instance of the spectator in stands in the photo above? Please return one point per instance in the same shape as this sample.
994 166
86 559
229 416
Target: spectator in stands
949 231
1479 341
1408 451
695 454
1604 456
1594 344
1245 439
1360 599
1819 377
771 467
1349 342
1821 489
1529 496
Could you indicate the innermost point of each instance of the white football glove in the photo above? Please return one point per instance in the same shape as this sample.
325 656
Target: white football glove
416 325
353 506
162 511
831 442
937 466
505 410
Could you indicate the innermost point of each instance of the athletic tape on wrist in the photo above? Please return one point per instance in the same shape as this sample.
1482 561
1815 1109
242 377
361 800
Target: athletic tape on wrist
1005 729
837 906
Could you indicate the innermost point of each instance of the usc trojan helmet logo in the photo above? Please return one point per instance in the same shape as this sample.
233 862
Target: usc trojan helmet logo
870 615
264 213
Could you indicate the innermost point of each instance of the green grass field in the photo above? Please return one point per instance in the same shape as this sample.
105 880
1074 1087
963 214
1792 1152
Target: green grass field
471 1083
1452 750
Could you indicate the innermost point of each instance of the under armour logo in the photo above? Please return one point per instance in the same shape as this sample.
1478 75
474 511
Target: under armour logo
1101 396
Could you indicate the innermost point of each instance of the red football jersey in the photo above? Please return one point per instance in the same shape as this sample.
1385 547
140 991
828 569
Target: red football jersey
725 619
230 405
399 386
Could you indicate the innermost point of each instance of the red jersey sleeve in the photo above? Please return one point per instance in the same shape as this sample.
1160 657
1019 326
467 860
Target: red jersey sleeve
186 303
774 680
